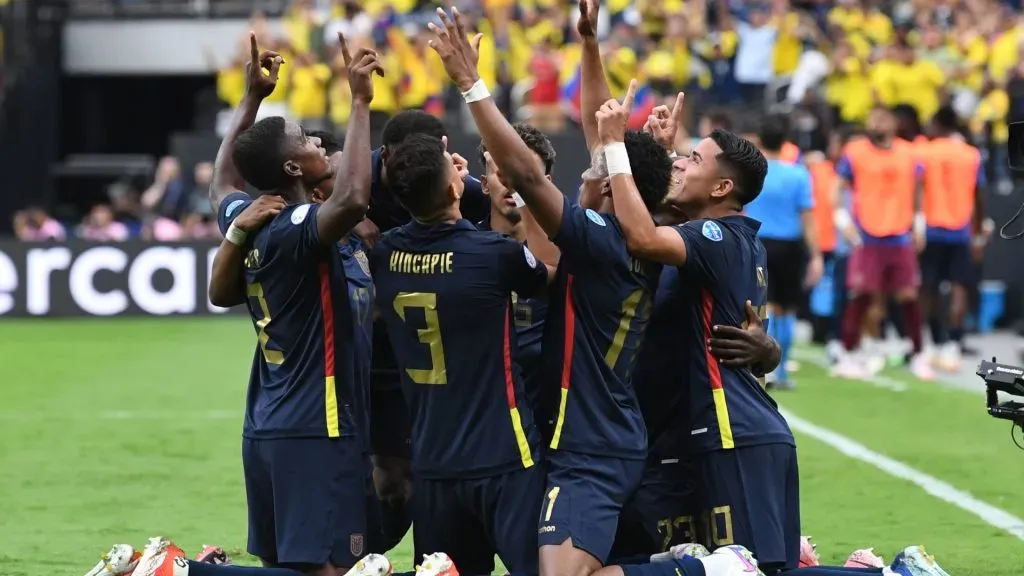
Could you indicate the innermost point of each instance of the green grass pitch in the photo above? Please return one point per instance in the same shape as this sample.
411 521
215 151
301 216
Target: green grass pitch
117 430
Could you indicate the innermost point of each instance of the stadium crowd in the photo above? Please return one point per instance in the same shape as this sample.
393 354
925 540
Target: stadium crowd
573 385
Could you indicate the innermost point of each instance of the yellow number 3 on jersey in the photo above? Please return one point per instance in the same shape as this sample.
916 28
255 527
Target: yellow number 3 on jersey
430 335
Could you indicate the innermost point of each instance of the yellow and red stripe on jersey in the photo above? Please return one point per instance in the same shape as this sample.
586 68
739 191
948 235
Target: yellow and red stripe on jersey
510 394
715 375
330 391
570 335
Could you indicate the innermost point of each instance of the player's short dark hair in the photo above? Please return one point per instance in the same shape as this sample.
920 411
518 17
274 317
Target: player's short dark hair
418 174
328 141
260 154
742 162
946 119
535 140
409 122
720 119
773 132
651 166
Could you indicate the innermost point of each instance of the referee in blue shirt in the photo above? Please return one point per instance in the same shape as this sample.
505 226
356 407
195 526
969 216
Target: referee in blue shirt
795 263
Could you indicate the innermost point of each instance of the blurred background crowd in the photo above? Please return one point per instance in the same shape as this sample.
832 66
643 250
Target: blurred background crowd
825 63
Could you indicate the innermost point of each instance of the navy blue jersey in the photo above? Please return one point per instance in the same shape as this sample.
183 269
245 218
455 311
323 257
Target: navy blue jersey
658 378
529 315
725 267
387 213
445 293
597 314
360 297
303 381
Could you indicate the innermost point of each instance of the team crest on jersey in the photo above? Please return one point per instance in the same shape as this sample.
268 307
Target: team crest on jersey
530 258
232 207
364 263
355 544
299 214
595 217
711 231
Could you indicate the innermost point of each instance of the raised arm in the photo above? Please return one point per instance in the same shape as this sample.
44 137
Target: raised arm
226 178
351 195
643 239
594 90
513 156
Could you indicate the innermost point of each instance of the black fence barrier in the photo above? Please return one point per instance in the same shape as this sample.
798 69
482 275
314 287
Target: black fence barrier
118 279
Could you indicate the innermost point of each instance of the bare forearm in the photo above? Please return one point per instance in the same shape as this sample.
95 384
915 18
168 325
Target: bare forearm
227 287
226 178
539 243
351 195
594 91
636 222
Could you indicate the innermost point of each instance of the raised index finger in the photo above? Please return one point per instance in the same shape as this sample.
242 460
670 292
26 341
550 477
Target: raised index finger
627 102
344 49
677 108
254 50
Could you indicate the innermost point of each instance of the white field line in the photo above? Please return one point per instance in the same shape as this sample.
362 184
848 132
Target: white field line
986 512
818 359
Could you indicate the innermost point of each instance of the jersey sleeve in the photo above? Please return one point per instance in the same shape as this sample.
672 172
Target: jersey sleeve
585 234
294 232
526 274
708 246
844 168
230 208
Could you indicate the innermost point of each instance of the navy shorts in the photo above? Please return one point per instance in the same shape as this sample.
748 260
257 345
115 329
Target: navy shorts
657 516
473 519
584 498
390 427
947 262
750 496
307 500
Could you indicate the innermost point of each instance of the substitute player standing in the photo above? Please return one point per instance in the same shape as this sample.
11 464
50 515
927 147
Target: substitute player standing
445 289
598 311
954 194
887 229
305 409
789 234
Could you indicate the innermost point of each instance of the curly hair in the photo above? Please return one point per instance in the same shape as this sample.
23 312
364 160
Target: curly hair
260 154
651 166
535 140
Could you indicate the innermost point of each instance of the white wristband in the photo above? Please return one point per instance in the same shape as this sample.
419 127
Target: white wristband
518 200
842 218
235 235
617 159
920 222
477 93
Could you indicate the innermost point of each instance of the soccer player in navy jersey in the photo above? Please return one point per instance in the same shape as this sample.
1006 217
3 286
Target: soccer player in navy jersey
510 217
598 310
306 408
390 428
445 290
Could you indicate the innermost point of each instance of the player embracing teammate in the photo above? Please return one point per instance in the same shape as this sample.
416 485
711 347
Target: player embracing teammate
448 293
